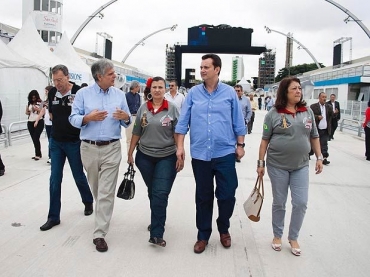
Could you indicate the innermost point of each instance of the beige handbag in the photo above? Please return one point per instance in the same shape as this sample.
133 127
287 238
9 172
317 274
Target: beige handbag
252 206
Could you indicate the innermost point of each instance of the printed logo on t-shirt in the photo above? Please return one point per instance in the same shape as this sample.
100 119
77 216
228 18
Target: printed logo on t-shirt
71 98
166 121
284 122
307 121
144 120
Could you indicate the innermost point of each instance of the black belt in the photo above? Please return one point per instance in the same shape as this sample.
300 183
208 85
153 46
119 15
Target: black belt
99 143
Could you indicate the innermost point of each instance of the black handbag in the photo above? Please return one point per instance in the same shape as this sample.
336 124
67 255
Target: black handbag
127 188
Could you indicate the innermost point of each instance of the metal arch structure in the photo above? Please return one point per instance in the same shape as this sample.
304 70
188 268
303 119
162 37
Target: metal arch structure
98 11
141 42
355 19
268 30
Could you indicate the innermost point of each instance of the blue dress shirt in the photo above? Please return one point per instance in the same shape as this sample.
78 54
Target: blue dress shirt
92 98
246 107
215 120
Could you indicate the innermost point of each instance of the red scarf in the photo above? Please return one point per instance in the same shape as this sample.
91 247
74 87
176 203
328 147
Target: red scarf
164 106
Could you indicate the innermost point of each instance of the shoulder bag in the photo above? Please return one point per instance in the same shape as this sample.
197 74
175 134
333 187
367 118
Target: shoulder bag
253 205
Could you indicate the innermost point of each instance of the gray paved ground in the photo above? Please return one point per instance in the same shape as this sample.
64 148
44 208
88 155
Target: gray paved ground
334 238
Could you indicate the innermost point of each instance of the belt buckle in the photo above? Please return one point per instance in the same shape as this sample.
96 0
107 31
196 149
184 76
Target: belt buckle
101 143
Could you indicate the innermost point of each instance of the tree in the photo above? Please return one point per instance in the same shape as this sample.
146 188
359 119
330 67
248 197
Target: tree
295 70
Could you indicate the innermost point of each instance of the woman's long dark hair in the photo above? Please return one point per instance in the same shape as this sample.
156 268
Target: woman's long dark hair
32 94
281 95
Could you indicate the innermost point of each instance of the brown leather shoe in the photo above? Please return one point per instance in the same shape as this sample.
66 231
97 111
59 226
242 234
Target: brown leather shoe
200 246
225 240
101 245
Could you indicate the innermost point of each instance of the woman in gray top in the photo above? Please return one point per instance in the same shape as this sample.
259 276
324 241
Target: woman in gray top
289 132
156 153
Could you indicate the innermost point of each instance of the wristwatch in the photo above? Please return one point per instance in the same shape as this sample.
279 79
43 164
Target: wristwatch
320 158
242 145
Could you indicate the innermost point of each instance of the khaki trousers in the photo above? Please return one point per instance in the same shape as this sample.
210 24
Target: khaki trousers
102 165
129 132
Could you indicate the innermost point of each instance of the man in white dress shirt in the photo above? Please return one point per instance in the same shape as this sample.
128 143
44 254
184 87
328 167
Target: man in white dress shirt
174 96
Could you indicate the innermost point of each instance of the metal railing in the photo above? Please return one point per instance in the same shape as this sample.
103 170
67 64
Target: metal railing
4 135
353 125
19 133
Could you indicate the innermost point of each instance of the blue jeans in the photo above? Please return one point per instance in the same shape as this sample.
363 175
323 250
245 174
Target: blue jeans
281 180
159 175
48 133
223 169
59 152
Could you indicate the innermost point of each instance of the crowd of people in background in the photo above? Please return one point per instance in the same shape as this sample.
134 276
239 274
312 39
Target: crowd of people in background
83 124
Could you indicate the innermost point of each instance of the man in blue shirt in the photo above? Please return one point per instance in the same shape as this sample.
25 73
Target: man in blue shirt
133 99
212 113
245 105
99 111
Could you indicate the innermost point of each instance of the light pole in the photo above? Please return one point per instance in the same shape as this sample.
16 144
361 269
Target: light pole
96 13
350 15
268 30
141 42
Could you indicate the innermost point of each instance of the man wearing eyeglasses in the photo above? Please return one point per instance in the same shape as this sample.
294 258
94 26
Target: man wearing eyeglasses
245 104
174 96
64 143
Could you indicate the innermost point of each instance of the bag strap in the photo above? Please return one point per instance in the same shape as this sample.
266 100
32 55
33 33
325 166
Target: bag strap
259 186
131 171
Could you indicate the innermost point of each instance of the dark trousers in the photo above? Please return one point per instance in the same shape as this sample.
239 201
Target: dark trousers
59 152
324 137
2 166
159 175
223 169
367 143
250 123
334 126
35 133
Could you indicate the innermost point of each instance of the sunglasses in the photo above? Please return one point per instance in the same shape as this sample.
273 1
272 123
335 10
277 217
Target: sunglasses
238 90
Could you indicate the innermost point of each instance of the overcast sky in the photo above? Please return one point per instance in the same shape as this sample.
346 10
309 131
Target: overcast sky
314 23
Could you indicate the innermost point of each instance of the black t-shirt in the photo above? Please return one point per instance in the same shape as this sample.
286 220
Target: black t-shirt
60 108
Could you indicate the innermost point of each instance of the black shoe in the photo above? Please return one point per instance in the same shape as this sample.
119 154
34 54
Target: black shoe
49 224
2 172
88 209
238 161
325 162
158 241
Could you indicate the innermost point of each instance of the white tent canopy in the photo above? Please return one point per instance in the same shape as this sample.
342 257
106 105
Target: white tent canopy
29 44
246 85
18 76
79 72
